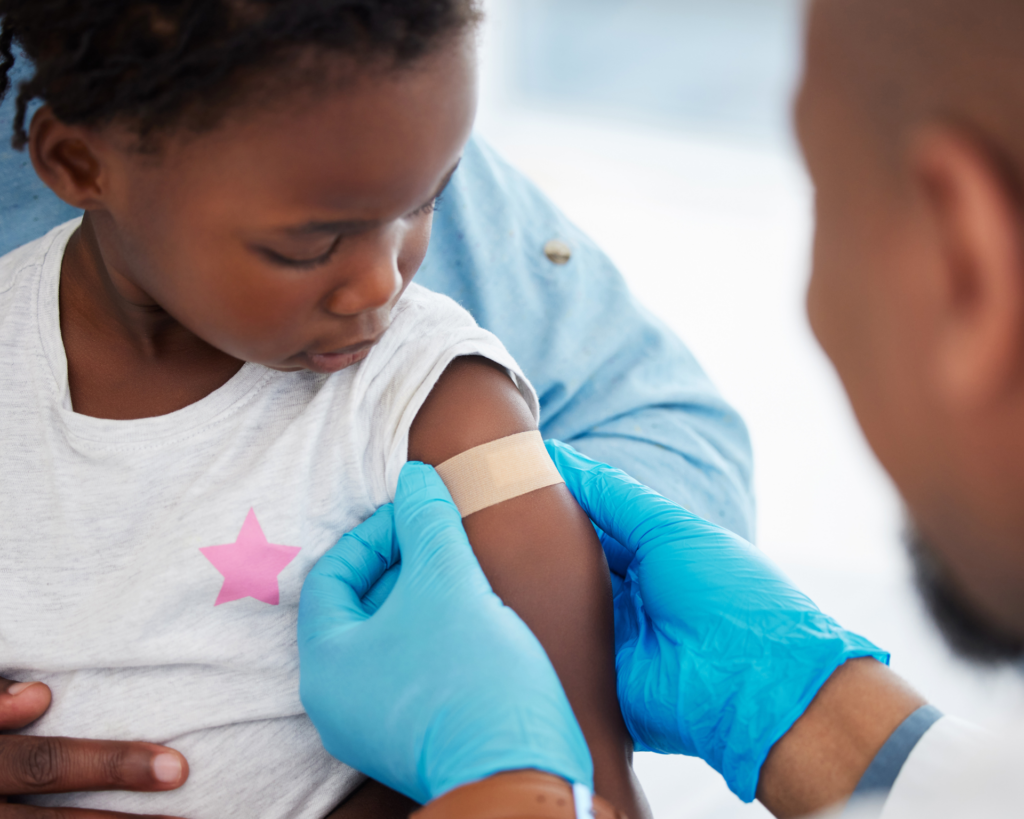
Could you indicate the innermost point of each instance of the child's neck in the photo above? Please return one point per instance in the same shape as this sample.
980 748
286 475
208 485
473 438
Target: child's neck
127 357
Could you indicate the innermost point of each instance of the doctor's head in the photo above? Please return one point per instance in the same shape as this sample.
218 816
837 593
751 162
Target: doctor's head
911 117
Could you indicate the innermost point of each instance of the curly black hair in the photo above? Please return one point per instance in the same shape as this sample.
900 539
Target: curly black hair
156 64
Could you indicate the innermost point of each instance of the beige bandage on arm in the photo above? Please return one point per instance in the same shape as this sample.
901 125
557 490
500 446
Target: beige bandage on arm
498 471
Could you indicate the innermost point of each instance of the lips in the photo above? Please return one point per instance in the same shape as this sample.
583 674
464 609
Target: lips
335 360
352 348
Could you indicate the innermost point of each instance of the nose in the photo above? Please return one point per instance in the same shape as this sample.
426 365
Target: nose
373 281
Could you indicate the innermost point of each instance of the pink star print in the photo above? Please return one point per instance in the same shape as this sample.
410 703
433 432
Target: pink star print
250 565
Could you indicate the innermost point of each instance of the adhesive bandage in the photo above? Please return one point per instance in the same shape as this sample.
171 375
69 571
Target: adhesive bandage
498 471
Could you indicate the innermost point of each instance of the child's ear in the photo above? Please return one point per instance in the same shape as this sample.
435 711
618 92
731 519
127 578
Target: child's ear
976 222
64 158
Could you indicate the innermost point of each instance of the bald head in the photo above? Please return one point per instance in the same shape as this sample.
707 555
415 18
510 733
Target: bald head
955 61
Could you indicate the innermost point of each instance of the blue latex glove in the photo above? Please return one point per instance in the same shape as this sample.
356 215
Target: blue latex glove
427 681
717 654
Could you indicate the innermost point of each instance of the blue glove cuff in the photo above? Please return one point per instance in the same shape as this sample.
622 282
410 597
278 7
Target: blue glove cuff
805 679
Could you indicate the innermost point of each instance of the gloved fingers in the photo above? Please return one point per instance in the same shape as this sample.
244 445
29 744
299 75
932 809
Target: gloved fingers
617 555
341 578
380 590
430 532
621 506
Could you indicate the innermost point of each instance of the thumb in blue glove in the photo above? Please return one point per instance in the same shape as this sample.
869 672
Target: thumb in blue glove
421 677
717 654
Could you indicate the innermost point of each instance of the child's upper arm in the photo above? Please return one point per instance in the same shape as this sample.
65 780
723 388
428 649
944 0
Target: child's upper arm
543 559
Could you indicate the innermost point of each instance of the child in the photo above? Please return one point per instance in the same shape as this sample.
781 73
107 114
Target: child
222 367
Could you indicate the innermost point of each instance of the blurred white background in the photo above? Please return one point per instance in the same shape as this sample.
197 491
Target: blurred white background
662 128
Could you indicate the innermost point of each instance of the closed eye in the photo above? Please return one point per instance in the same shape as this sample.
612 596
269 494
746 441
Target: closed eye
430 207
305 264
301 264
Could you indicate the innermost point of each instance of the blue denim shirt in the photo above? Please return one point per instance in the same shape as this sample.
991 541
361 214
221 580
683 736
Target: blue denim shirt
612 380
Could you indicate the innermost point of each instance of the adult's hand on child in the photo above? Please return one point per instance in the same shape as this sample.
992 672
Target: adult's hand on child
717 653
422 678
31 765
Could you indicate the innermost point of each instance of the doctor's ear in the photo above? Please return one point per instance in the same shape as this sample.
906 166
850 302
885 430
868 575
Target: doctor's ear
65 158
975 222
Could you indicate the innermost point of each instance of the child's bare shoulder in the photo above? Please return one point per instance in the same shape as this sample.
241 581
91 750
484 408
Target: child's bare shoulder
475 401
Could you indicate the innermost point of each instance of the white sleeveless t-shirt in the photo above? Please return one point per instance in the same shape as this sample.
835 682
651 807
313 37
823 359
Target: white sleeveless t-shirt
150 570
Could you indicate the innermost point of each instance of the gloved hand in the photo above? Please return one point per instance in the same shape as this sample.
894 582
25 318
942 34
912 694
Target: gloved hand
717 654
426 681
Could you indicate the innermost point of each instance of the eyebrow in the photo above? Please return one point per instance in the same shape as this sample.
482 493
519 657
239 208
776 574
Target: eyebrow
356 225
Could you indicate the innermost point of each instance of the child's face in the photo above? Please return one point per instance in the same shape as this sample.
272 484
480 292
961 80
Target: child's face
286 235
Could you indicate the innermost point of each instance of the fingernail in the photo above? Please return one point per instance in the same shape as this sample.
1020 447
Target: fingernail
17 688
167 768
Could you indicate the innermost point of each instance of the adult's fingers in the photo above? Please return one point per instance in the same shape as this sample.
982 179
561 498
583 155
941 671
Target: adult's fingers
617 555
341 578
376 596
430 532
364 554
21 703
29 812
59 765
620 505
426 519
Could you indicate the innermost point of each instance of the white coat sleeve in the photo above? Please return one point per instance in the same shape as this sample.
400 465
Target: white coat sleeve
955 771
959 770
